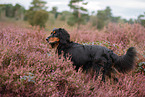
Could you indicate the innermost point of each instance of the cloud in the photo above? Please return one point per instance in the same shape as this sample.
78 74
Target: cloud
124 8
117 3
63 5
93 5
129 4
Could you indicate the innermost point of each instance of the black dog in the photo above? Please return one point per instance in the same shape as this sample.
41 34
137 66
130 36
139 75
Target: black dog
91 56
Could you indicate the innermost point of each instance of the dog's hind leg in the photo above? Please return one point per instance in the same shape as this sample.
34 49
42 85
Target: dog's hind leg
103 64
97 66
113 70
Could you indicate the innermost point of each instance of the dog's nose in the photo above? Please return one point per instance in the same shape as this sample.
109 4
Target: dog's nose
46 39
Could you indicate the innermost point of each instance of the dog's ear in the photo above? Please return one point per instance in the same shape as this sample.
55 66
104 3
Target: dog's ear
64 36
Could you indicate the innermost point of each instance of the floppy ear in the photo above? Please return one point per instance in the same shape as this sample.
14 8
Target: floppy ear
64 36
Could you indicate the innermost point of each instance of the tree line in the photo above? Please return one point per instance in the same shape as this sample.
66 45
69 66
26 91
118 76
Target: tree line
37 14
8 10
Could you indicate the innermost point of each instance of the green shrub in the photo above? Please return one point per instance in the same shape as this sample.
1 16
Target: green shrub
141 67
37 18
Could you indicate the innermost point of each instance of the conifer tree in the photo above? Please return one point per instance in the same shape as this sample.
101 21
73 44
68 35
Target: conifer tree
79 14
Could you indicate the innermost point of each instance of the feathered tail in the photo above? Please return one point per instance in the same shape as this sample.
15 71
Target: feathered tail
126 62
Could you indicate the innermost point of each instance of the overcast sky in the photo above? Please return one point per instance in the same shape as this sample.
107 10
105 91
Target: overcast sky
124 8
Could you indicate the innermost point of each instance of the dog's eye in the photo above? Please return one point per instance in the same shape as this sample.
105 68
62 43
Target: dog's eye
53 32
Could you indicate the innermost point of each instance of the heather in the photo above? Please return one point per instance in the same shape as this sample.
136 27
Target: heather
29 68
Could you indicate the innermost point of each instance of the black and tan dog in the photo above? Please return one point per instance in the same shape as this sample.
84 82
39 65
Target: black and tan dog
91 56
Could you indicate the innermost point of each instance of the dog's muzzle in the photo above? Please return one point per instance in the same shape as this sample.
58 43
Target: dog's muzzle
51 40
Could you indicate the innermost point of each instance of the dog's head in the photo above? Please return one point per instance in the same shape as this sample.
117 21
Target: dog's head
58 36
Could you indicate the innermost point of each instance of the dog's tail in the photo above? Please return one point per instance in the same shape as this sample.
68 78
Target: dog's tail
125 62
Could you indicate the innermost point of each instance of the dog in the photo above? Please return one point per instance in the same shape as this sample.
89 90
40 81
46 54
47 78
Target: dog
92 57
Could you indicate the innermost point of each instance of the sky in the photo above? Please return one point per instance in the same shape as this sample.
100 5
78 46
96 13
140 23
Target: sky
125 8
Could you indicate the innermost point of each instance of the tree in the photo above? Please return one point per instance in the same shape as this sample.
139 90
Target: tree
131 21
141 19
2 11
79 15
37 14
103 17
9 10
115 19
54 11
19 11
37 5
65 15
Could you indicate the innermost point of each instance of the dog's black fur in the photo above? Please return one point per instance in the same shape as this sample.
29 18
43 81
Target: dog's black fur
92 56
